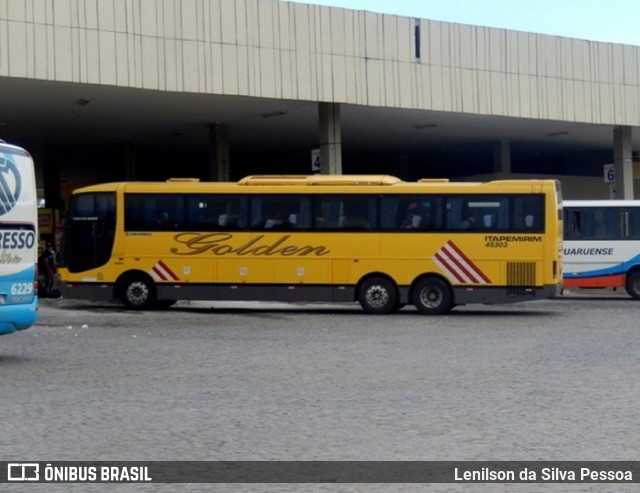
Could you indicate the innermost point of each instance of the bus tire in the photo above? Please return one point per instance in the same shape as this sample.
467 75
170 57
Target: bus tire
432 296
378 295
633 285
138 292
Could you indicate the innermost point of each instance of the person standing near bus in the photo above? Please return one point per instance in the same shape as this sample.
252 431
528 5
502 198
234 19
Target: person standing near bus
47 267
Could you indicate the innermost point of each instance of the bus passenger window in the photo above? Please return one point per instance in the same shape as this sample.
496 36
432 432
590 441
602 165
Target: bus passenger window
575 224
599 224
280 212
634 222
355 214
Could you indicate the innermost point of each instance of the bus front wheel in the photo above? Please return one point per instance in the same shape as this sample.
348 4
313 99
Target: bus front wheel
138 292
633 285
378 295
432 296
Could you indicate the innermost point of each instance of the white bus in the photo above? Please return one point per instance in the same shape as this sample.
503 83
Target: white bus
602 244
18 240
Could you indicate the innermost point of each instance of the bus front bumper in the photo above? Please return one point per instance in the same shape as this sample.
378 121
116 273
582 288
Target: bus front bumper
87 291
18 316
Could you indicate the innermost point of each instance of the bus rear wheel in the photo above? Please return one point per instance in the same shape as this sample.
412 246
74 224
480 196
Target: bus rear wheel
378 295
432 296
138 292
633 285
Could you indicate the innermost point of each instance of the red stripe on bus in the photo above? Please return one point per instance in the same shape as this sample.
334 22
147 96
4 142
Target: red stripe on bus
445 262
168 270
617 281
469 262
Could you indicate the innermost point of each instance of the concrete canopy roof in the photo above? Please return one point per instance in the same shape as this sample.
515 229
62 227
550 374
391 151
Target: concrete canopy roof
40 116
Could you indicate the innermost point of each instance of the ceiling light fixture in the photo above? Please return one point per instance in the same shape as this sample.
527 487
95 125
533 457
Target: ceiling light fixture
425 125
274 113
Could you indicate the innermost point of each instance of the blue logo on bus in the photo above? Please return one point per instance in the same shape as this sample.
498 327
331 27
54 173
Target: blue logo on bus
10 185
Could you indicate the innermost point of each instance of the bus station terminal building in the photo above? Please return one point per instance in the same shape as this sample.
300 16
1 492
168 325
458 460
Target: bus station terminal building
219 89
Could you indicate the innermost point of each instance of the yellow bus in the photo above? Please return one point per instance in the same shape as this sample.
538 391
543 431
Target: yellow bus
376 240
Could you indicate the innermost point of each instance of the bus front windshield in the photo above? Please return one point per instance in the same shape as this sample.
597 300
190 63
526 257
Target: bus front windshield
89 231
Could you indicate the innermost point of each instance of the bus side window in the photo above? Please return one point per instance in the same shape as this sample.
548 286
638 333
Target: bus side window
389 213
165 212
527 214
610 224
357 213
280 212
602 224
133 212
633 214
300 214
148 213
203 212
453 211
326 212
575 224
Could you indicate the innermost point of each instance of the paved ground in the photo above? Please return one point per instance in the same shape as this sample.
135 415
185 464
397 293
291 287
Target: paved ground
548 380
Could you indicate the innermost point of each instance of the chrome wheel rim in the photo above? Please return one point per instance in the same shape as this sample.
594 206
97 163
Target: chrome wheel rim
137 293
377 296
431 297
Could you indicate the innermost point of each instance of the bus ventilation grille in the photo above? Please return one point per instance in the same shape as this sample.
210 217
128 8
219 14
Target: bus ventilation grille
520 275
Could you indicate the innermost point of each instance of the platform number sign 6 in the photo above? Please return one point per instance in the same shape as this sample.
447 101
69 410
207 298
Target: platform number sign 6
609 173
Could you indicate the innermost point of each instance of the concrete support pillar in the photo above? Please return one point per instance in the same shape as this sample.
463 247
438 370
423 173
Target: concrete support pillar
623 162
330 138
130 162
219 162
502 157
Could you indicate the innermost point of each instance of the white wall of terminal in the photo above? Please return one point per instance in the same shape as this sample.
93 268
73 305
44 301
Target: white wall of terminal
277 49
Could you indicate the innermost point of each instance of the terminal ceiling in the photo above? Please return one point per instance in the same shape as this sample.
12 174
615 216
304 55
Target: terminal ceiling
46 117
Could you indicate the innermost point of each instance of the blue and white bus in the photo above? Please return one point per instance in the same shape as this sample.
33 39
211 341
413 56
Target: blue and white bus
602 244
18 240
